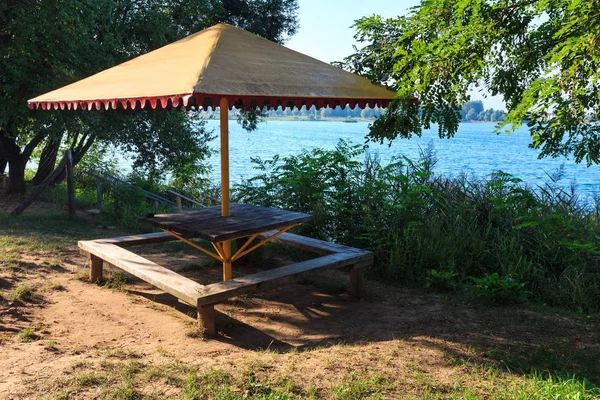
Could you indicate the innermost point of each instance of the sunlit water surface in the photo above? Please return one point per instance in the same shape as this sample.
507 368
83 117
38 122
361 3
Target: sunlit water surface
476 150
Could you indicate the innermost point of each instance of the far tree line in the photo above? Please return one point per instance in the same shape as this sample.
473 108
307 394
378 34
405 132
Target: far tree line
308 113
473 111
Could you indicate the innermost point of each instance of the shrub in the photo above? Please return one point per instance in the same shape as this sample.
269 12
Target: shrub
498 290
417 222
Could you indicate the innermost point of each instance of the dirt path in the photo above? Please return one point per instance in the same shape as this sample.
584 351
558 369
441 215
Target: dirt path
314 337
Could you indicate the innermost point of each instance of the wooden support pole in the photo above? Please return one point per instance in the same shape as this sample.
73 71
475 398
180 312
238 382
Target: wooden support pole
155 206
357 282
206 320
224 111
225 211
178 201
95 268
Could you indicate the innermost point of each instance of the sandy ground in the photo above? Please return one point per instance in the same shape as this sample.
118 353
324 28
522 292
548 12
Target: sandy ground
313 332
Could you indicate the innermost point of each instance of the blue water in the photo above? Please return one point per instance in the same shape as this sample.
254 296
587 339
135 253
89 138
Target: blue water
475 150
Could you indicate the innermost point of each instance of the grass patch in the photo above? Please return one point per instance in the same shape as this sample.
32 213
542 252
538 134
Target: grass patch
362 385
115 280
50 346
24 293
122 354
539 387
58 287
53 263
82 275
27 335
192 333
558 358
42 232
90 379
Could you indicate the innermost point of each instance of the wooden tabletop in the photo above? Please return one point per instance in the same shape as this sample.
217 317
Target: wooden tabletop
245 220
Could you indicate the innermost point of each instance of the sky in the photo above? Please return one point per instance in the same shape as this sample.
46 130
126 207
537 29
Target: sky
325 30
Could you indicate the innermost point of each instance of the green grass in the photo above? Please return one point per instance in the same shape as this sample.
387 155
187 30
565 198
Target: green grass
24 293
28 335
90 379
43 232
50 346
124 380
115 280
362 386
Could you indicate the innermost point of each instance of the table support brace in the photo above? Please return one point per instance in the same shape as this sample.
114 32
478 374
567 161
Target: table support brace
223 249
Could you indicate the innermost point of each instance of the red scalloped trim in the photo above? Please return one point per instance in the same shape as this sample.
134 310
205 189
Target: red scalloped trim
200 99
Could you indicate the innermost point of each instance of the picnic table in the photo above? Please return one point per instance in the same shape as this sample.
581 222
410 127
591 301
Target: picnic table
254 225
246 221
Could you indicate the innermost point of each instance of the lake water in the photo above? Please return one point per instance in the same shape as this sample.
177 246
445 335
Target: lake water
475 149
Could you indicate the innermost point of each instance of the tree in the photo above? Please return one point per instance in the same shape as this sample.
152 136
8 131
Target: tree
476 106
48 44
541 56
471 115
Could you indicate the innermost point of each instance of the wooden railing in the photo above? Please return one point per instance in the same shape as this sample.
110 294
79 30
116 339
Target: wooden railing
116 182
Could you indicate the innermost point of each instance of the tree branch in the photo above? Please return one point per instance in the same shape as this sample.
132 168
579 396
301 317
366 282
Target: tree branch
33 143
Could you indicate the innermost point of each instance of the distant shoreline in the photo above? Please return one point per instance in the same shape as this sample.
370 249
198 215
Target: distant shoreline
303 119
330 119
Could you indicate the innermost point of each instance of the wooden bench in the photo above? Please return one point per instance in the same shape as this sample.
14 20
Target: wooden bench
204 297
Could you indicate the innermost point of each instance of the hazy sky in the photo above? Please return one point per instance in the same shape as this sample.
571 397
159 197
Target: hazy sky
325 31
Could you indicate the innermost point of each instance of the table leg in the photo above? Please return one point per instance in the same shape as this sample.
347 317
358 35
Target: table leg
357 282
227 261
95 268
206 320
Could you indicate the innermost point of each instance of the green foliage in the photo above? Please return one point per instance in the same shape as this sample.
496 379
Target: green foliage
49 44
417 222
441 280
499 290
541 56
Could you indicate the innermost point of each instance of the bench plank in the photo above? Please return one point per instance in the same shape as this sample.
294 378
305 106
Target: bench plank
310 244
217 292
161 277
135 240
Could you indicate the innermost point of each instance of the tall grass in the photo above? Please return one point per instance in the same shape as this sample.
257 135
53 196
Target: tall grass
495 233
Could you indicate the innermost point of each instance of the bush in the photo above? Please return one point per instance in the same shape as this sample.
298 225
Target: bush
417 222
498 290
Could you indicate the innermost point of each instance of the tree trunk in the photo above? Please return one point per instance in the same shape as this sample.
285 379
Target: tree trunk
16 175
78 154
11 152
3 165
47 160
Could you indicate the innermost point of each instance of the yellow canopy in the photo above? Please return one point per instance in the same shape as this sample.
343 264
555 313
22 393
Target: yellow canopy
219 62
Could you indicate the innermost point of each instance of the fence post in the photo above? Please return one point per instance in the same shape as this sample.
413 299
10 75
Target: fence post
99 193
70 183
155 206
178 201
